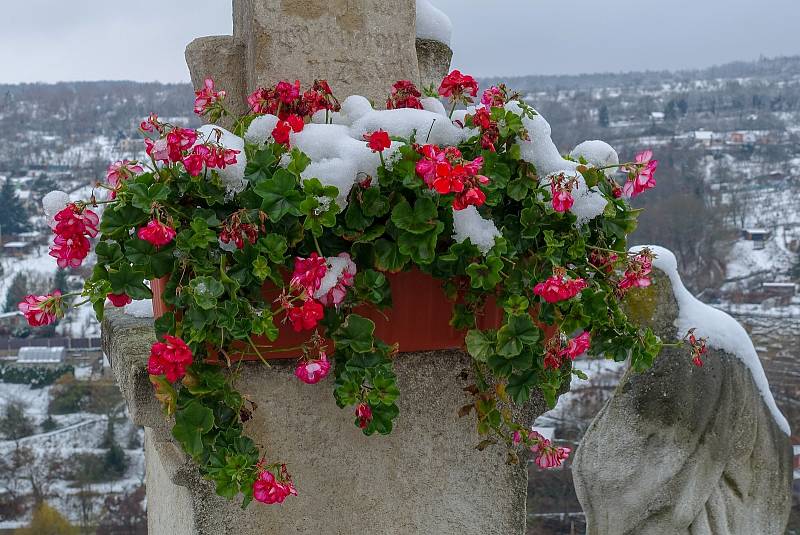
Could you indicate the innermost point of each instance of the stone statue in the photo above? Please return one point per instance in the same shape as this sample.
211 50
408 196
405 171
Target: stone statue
683 449
361 47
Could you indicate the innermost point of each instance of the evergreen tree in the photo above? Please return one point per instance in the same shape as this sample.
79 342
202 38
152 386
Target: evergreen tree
16 291
602 117
13 217
60 281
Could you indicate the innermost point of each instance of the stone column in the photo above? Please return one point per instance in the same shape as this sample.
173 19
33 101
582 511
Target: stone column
425 478
360 46
681 449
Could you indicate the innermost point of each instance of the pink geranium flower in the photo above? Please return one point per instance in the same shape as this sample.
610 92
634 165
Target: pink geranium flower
457 86
558 287
364 415
120 171
267 489
637 272
309 272
157 233
577 346
641 175
40 310
313 371
344 280
207 97
547 455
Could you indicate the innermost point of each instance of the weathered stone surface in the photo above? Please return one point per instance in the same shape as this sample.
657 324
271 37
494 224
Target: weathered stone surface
434 61
684 450
424 478
359 47
220 58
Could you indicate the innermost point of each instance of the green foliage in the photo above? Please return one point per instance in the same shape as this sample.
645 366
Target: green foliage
222 295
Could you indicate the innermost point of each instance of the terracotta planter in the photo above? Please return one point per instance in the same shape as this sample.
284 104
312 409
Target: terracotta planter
418 320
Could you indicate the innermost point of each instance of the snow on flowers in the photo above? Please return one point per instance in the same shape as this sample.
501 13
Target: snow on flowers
298 225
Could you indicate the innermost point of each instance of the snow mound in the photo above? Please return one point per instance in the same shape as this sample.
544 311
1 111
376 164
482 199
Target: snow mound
140 309
596 152
543 153
432 23
233 175
434 105
260 129
54 202
468 223
430 127
722 331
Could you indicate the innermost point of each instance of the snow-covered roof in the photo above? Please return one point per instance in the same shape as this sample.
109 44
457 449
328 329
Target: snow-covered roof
41 355
756 231
704 135
16 245
778 285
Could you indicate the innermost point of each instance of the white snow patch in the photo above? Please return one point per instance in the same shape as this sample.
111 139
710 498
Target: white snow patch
722 331
233 175
434 105
543 153
54 202
336 266
140 309
468 223
432 23
260 130
596 152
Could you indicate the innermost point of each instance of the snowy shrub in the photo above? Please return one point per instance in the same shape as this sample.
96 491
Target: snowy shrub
319 205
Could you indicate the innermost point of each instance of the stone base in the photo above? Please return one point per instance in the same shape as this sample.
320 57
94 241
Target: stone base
426 477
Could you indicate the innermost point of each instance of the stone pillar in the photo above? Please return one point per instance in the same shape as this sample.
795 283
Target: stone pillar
424 478
434 61
681 449
360 46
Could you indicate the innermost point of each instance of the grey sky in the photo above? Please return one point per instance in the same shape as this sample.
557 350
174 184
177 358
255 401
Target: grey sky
52 40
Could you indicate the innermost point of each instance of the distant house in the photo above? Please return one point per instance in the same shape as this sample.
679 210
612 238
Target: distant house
33 355
758 236
16 248
781 291
657 116
10 321
705 137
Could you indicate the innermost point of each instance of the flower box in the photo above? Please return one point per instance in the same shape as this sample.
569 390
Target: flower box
419 319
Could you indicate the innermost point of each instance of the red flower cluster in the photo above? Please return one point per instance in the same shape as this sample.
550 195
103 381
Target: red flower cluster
119 300
404 95
293 123
446 171
558 287
364 415
285 99
170 358
641 174
378 141
459 87
156 233
561 188
268 489
212 155
73 228
233 230
555 355
495 96
120 171
547 455
698 346
603 261
637 271
490 131
207 99
41 310
306 279
306 316
170 148
313 371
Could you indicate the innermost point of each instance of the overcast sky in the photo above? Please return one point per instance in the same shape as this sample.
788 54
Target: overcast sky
52 40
